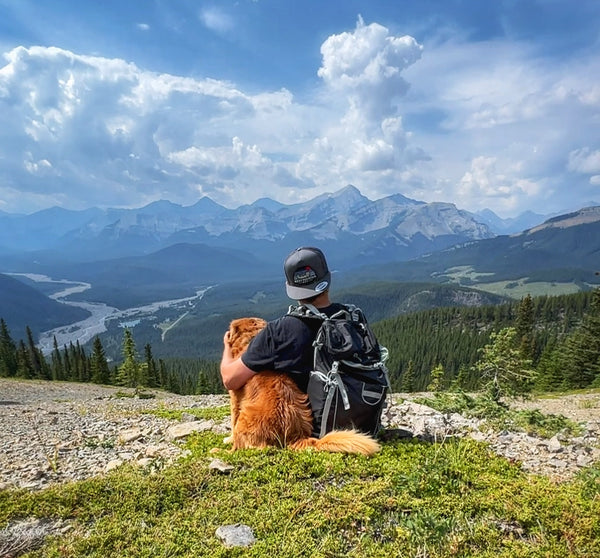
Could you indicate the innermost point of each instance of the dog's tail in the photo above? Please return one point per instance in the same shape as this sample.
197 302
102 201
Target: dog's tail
340 441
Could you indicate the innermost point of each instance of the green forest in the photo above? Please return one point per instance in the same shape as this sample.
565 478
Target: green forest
548 343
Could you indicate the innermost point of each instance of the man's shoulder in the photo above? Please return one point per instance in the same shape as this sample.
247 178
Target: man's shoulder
287 322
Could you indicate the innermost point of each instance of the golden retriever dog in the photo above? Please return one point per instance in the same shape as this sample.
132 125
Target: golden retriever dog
270 410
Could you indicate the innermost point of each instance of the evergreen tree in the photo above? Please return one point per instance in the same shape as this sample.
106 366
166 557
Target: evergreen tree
550 372
8 352
436 382
581 354
24 367
524 327
57 368
99 366
128 373
408 378
36 358
67 367
503 370
162 373
151 370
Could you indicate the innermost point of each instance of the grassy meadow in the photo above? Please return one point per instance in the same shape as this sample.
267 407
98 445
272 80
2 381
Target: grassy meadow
413 499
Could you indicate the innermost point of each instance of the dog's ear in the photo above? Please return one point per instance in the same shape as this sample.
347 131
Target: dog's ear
234 331
241 331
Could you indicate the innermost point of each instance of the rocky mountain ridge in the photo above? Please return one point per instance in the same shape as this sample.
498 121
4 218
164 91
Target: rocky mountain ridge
394 220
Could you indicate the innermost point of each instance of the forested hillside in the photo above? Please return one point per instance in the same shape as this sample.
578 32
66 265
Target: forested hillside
72 363
554 333
22 306
556 339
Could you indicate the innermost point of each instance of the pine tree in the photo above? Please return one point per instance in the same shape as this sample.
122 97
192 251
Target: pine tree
57 368
151 371
550 372
128 373
581 354
408 378
99 365
24 367
524 327
8 352
35 357
436 382
503 370
67 367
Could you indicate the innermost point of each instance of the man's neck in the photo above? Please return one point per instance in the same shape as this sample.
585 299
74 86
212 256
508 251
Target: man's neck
322 301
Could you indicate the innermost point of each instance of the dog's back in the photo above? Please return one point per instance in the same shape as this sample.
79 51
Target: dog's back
272 412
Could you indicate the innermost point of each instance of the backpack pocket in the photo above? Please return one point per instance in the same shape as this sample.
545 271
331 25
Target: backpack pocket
341 401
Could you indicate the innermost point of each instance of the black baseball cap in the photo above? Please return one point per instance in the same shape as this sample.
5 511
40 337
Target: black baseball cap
306 273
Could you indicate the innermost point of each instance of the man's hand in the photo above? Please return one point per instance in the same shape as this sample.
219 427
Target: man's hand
234 372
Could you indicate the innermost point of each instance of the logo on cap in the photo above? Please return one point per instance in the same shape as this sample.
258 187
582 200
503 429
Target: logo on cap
321 286
304 276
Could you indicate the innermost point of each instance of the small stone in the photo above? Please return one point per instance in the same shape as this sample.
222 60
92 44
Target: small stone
583 461
113 464
152 451
236 535
127 436
554 445
145 462
186 428
221 466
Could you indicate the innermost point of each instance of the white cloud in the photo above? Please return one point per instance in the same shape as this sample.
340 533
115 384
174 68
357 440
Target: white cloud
362 72
585 161
216 20
366 66
484 182
489 124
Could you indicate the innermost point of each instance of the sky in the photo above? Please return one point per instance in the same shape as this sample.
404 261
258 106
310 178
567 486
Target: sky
481 103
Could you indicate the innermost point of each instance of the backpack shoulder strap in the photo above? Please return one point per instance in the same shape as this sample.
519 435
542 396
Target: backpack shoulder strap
306 311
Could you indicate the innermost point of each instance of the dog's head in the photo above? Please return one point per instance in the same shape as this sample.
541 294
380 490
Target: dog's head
241 331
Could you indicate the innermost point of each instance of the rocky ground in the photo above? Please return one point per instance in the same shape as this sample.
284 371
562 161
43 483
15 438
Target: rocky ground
55 432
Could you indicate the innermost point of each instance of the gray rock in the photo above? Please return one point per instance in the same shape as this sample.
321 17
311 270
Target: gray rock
220 466
130 435
184 429
236 535
554 445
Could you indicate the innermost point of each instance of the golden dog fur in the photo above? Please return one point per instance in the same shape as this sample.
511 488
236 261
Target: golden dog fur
270 410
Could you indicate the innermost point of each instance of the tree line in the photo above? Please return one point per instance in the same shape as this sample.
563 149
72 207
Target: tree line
557 338
72 363
546 343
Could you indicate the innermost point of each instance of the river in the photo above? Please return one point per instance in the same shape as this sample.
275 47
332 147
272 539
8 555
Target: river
87 329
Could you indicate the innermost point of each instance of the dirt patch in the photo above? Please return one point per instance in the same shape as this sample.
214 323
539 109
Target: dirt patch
578 407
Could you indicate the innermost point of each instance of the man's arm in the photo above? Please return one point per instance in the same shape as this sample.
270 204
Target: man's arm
234 372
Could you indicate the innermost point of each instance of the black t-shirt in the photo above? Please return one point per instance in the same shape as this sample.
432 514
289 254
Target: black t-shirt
285 345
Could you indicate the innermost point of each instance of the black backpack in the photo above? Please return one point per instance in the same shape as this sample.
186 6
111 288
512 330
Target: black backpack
349 381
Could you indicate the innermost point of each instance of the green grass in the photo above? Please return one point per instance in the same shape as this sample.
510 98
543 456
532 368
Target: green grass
514 288
201 413
413 499
519 288
501 417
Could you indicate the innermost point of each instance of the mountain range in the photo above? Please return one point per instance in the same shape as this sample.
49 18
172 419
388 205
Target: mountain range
394 226
164 251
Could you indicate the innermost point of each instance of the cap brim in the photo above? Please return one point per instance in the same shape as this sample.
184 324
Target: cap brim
300 293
